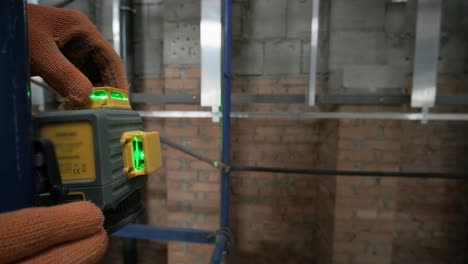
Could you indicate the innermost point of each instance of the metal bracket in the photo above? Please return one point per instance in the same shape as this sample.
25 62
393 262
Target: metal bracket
215 114
424 114
426 53
211 43
116 25
314 35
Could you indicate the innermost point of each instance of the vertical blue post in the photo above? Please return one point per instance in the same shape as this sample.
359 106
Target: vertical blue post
220 247
226 101
17 187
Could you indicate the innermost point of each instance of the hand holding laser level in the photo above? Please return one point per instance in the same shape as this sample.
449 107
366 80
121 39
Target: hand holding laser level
101 153
70 54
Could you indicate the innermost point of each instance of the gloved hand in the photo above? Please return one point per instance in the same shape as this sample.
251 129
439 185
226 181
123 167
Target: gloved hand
70 54
69 233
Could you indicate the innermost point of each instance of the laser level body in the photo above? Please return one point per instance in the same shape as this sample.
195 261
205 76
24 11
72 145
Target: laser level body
95 161
92 165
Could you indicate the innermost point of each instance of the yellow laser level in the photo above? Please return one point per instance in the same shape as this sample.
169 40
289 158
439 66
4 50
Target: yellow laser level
103 154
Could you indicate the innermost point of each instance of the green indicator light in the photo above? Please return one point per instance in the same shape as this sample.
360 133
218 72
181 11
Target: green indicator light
29 93
118 96
98 95
138 155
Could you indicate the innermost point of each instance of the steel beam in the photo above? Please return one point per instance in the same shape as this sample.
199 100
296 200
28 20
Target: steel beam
314 35
17 188
363 99
242 99
210 41
310 115
426 53
116 26
147 98
126 43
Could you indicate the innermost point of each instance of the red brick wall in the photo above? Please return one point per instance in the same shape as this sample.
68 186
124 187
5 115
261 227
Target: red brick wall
273 215
388 220
431 217
364 208
270 212
326 192
283 218
184 192
191 186
148 252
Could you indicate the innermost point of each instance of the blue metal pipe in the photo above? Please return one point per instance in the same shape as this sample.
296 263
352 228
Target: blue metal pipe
166 234
221 238
226 100
201 236
220 247
17 187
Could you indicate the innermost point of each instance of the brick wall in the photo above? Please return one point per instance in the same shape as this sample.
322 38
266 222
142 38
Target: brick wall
431 215
326 192
389 220
282 218
191 187
364 208
272 215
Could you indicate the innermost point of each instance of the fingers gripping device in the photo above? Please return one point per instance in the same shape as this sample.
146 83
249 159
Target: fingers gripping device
103 155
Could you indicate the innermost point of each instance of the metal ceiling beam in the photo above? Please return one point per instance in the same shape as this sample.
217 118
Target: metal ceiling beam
310 115
242 99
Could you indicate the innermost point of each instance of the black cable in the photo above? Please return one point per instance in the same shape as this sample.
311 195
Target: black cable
319 172
189 152
64 3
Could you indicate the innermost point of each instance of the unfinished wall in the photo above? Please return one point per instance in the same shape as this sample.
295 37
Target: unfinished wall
391 220
364 208
366 46
280 218
326 192
431 215
167 61
273 216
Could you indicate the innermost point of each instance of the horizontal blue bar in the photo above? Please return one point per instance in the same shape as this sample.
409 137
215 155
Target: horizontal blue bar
166 234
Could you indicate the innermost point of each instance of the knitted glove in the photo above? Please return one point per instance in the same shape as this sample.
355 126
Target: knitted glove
68 233
70 54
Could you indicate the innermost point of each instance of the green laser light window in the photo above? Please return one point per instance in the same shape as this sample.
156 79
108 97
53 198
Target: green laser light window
118 96
98 95
138 155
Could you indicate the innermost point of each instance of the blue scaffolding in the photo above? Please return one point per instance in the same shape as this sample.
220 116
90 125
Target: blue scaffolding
222 236
18 182
17 188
